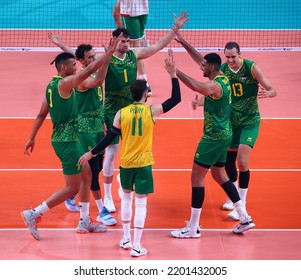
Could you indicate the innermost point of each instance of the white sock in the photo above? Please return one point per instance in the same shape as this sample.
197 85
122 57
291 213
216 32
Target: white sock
137 237
42 208
126 230
108 189
84 209
99 204
139 219
195 217
241 211
243 195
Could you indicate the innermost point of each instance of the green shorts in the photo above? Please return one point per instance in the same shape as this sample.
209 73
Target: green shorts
141 178
69 154
135 26
109 119
89 140
211 152
244 135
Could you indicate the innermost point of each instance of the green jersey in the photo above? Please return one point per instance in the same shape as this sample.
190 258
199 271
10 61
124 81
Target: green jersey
90 110
63 113
217 112
121 73
244 94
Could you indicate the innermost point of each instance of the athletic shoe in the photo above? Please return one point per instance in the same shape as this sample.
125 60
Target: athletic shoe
139 251
228 205
126 244
149 91
71 204
244 226
86 225
233 215
31 219
109 203
186 232
105 217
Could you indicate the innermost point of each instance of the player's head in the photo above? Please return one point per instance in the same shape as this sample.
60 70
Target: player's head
139 90
212 62
85 54
232 54
232 45
62 59
118 31
124 39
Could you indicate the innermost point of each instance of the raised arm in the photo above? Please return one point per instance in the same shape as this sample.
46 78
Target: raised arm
116 15
56 39
72 81
196 56
145 52
207 88
158 109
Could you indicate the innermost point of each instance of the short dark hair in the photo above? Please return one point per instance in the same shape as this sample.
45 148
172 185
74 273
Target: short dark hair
213 59
81 49
232 45
118 31
138 88
62 58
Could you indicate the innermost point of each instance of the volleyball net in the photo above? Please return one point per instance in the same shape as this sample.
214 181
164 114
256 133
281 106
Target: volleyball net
254 24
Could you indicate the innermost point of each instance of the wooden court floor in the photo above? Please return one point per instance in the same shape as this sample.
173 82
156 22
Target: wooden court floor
273 198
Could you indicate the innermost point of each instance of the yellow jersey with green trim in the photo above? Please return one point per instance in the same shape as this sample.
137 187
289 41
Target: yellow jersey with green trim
137 127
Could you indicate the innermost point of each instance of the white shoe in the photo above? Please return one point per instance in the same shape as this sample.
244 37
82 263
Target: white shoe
109 204
233 215
31 219
137 252
125 244
228 205
186 232
244 226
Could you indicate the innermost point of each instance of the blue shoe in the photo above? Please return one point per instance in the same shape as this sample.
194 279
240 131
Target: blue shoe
71 204
105 217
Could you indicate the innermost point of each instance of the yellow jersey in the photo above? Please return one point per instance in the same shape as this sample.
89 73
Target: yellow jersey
137 127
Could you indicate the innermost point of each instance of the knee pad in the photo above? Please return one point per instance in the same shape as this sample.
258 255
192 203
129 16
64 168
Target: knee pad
108 165
140 212
126 206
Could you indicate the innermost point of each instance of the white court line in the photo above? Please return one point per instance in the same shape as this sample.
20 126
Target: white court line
157 169
151 229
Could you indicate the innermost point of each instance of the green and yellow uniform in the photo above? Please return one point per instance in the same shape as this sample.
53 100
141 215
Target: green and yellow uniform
90 116
215 142
120 75
245 116
65 141
136 156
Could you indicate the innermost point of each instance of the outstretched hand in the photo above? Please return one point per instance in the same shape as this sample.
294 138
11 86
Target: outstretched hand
180 21
178 37
170 64
113 44
55 39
